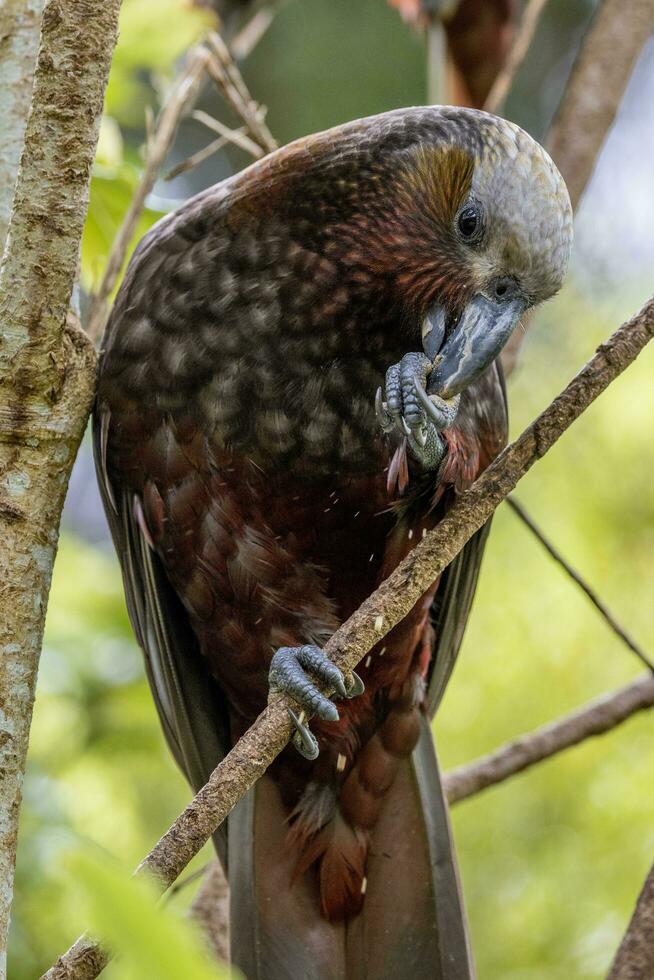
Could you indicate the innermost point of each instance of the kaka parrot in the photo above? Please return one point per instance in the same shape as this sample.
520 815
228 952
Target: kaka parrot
298 376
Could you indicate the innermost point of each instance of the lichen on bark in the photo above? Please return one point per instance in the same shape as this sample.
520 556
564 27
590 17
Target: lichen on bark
47 366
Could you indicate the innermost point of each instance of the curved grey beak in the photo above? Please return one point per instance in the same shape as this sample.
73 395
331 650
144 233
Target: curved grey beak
474 342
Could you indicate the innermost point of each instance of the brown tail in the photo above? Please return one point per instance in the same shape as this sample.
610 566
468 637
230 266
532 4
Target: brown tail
339 842
410 922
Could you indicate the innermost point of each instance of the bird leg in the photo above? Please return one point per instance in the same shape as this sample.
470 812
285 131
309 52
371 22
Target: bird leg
413 413
288 674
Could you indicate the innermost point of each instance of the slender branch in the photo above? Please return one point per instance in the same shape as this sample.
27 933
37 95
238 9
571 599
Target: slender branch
210 909
47 366
243 43
590 102
594 92
392 601
596 718
521 44
601 607
182 96
225 73
197 158
236 136
187 880
438 86
635 956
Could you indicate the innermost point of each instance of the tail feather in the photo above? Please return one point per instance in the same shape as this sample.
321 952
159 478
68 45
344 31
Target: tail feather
411 921
340 851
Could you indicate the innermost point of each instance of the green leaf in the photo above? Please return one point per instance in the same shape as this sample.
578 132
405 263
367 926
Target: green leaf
112 190
149 940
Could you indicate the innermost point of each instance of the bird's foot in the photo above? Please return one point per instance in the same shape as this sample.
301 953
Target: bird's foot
410 411
289 673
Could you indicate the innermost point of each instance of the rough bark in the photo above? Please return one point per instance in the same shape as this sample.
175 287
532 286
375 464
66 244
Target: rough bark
47 366
635 957
396 596
590 103
19 39
599 716
597 83
211 909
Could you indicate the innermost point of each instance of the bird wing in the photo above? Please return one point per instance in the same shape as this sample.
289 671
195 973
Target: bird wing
451 606
189 702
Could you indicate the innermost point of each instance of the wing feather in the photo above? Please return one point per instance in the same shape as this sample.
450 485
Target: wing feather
189 702
453 600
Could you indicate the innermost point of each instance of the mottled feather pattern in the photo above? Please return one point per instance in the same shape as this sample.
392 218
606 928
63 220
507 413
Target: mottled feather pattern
236 401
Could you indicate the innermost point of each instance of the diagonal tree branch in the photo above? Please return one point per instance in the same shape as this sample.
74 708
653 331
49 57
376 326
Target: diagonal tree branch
392 601
47 367
599 604
211 909
590 103
517 53
227 76
595 718
593 95
635 956
598 717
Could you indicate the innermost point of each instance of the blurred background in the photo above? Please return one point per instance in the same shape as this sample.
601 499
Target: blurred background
553 860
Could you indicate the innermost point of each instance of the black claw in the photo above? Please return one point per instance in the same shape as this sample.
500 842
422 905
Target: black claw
356 686
303 740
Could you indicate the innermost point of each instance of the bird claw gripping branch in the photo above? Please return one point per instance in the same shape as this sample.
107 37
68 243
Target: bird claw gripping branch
288 674
414 414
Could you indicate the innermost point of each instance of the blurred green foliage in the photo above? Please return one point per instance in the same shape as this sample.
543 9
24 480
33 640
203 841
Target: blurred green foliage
551 861
125 914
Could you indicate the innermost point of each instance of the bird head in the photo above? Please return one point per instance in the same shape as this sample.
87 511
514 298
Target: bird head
482 225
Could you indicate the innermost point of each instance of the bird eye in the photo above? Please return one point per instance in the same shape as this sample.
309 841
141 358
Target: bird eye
469 222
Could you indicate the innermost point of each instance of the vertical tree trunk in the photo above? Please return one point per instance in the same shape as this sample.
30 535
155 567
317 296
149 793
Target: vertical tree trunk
47 366
19 38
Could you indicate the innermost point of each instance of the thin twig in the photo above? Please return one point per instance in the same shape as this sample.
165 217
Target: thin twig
187 880
225 73
181 98
196 158
251 33
595 718
593 95
521 44
590 102
388 605
236 136
519 510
